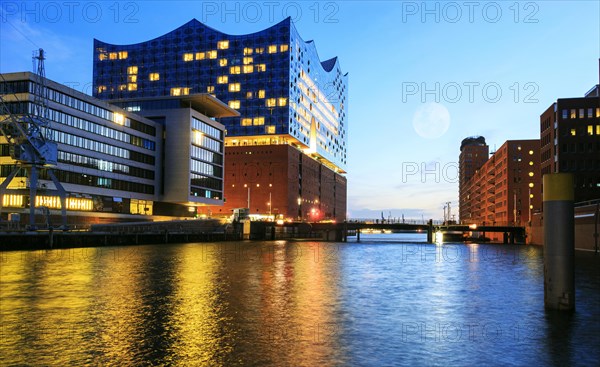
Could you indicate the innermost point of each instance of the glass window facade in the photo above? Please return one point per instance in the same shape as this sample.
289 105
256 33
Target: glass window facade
98 147
272 77
206 160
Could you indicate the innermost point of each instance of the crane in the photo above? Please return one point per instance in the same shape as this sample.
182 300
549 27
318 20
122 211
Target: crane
30 145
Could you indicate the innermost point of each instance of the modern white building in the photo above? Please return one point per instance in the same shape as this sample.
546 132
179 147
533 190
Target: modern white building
116 162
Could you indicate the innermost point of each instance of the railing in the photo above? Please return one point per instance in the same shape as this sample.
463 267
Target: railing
588 202
393 221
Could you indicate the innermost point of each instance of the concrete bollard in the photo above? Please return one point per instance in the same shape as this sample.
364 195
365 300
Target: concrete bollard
559 242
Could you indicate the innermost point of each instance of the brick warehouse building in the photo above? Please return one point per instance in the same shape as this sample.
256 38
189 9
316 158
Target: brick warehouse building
474 152
292 106
506 189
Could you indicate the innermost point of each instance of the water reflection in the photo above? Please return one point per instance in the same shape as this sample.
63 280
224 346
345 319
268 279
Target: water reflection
284 303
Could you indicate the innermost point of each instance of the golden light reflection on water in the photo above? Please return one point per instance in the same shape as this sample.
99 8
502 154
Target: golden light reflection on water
209 304
286 304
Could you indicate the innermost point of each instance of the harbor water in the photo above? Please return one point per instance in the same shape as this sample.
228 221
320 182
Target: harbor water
390 300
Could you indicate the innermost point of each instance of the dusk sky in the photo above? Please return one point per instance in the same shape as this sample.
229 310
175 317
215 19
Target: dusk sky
422 75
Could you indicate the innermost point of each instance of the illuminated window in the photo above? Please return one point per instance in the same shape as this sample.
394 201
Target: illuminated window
261 67
123 87
234 104
590 129
212 54
200 55
101 88
112 56
531 152
258 121
144 207
259 50
531 196
581 113
590 112
531 184
123 55
270 102
270 129
272 49
247 60
248 51
261 93
102 56
283 48
197 137
282 102
223 62
235 70
234 87
573 113
180 91
597 112
597 129
223 79
210 89
188 57
223 45
118 118
530 174
247 69
246 122
132 70
131 87
132 78
12 200
531 163
249 95
573 132
79 204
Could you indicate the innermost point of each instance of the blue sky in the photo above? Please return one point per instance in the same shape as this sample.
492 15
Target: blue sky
423 75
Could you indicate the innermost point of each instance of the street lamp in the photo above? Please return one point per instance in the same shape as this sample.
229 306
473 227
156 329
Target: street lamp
299 208
248 186
530 206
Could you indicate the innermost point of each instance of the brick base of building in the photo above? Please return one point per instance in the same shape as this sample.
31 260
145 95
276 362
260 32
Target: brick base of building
282 181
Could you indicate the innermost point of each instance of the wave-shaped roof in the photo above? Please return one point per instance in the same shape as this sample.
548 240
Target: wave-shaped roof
327 65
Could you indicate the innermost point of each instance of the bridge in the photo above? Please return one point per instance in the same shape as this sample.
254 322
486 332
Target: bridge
341 231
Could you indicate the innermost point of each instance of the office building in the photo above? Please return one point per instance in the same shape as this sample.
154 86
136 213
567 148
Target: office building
292 109
115 162
570 142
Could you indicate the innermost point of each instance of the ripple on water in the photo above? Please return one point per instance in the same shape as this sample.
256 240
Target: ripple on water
381 302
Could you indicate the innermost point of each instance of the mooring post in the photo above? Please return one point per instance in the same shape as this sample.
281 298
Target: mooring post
51 237
430 231
559 240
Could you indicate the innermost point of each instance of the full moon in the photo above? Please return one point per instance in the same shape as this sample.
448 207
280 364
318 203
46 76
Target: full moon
431 120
